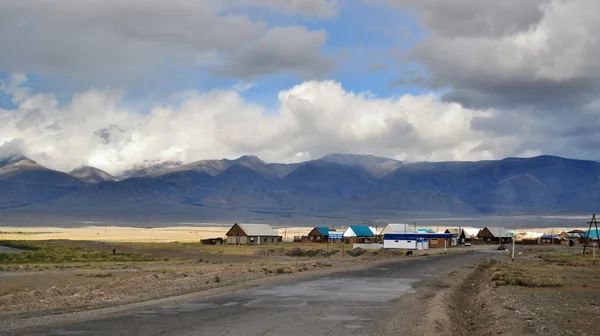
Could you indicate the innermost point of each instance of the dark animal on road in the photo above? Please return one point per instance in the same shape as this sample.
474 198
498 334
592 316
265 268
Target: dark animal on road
408 253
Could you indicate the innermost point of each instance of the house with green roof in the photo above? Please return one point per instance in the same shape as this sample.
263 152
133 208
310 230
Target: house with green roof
320 234
360 234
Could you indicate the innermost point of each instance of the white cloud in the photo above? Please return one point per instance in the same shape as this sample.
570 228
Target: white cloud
242 86
315 119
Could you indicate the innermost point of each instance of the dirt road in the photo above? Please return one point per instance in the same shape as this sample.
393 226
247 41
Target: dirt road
359 302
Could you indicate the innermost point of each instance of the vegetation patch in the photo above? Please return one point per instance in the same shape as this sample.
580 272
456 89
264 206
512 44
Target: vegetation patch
569 259
525 274
40 252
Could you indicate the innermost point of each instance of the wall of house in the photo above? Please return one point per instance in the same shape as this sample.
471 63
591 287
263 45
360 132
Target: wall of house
400 244
237 240
439 242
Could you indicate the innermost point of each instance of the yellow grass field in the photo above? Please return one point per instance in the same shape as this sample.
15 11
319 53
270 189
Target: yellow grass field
129 234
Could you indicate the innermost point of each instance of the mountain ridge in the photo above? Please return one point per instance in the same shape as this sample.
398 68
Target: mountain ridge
338 182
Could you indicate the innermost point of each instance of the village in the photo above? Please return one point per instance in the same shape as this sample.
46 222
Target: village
401 236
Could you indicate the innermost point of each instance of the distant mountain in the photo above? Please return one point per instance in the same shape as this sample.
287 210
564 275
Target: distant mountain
150 169
377 166
336 184
28 172
24 182
5 161
92 175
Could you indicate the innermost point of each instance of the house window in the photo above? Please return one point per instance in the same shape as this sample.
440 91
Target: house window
272 240
395 241
408 241
252 239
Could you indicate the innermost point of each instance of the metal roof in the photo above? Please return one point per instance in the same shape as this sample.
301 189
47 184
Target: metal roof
397 228
323 230
361 230
411 236
425 230
498 232
593 234
263 230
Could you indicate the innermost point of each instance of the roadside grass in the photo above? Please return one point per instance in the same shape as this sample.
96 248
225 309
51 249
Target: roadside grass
43 252
526 274
569 259
237 249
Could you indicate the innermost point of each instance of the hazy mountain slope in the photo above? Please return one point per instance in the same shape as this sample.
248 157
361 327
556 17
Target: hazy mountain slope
518 190
149 169
136 190
377 166
327 179
5 161
13 195
92 175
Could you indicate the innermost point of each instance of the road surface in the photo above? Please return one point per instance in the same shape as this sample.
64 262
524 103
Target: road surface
343 303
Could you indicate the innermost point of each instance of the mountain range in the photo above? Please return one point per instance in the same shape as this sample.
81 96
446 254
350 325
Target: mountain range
334 184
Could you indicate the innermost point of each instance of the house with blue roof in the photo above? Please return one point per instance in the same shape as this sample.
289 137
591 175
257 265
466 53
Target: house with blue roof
360 234
320 234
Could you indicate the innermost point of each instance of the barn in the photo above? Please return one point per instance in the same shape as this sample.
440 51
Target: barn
252 234
494 234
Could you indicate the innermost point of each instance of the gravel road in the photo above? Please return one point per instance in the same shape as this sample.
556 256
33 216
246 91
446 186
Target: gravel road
357 302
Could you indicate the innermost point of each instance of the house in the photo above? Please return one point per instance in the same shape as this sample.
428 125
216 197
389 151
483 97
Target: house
252 234
549 239
212 241
397 228
494 234
459 236
360 234
529 238
412 241
320 234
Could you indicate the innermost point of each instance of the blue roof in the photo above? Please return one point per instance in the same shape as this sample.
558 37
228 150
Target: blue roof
323 230
548 237
362 230
425 230
593 234
414 236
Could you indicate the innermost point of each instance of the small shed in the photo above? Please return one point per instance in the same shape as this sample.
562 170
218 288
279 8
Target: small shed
494 234
360 234
320 234
252 234
212 241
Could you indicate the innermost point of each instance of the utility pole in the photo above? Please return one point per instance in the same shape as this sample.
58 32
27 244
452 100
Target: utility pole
513 249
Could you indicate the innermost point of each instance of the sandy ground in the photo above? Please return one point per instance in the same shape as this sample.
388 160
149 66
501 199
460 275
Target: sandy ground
129 234
167 234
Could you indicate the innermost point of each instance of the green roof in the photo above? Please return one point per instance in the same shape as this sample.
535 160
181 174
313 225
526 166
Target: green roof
362 231
323 230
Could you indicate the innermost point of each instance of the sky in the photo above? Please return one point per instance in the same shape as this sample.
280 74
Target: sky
113 84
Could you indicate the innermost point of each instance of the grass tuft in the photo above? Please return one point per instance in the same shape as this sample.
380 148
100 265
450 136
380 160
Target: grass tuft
45 252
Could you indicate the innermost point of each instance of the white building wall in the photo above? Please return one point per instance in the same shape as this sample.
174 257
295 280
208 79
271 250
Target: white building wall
400 244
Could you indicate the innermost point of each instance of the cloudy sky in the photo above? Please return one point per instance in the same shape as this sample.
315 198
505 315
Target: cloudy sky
111 83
